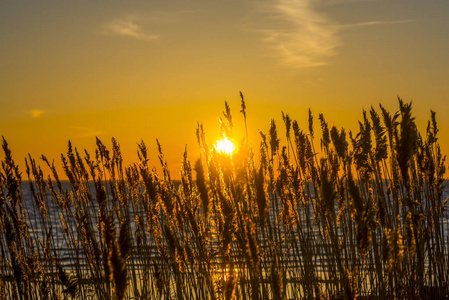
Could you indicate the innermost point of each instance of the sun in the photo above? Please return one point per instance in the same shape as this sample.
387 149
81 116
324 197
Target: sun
225 146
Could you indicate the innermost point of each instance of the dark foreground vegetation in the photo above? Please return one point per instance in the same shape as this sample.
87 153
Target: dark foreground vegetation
361 215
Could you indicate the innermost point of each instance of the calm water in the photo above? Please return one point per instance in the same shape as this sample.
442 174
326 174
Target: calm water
59 239
67 253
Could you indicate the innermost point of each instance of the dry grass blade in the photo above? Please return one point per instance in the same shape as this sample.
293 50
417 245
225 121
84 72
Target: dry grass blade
366 219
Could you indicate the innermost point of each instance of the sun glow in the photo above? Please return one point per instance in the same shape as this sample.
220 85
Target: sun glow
225 146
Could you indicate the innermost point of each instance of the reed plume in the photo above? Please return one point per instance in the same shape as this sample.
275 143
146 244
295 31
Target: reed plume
365 217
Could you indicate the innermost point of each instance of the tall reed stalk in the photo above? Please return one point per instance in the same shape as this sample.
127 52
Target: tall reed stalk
363 217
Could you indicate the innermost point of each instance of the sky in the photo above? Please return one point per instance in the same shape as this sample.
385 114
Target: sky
147 70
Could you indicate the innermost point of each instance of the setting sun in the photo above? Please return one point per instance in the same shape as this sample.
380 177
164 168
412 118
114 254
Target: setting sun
225 146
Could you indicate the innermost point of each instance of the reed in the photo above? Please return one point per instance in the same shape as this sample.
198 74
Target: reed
362 218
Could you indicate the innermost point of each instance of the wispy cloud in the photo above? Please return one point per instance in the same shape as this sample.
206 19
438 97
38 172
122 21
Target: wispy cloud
36 113
128 27
301 35
86 132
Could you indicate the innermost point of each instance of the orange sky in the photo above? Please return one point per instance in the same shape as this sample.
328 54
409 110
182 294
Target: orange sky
133 70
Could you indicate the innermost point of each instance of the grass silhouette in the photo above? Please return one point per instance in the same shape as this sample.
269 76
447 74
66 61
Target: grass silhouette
363 217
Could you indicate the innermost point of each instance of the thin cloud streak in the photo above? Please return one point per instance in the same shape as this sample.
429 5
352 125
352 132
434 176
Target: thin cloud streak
374 23
36 113
337 2
87 132
127 27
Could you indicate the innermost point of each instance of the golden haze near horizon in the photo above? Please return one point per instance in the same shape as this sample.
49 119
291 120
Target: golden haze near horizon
147 70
